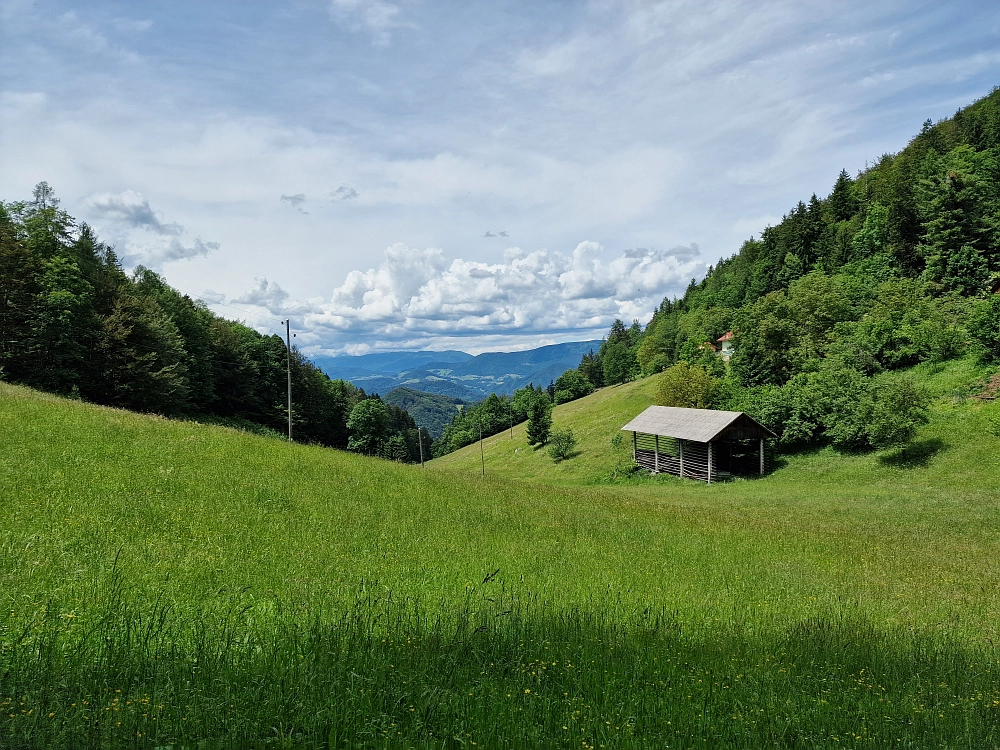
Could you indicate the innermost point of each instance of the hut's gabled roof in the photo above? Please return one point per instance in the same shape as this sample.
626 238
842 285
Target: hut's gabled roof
699 425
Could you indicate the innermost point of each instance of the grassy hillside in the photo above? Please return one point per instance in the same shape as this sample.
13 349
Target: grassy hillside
275 593
594 419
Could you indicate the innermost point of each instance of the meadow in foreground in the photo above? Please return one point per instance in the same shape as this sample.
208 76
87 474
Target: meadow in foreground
166 583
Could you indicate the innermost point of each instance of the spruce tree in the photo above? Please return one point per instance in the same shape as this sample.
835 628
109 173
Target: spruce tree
539 420
956 242
842 202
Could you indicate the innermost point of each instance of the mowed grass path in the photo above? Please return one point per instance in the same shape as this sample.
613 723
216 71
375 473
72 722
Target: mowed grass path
831 565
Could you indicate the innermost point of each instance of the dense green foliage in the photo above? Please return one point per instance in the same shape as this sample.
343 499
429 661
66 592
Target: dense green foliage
886 266
539 421
571 385
73 322
432 411
386 431
686 386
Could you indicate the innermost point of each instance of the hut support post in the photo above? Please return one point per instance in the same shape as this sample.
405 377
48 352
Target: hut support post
656 454
680 452
762 456
709 463
635 450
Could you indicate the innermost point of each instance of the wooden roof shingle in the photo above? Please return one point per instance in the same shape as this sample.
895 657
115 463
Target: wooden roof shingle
698 425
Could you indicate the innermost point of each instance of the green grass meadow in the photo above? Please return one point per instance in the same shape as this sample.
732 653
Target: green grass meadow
169 584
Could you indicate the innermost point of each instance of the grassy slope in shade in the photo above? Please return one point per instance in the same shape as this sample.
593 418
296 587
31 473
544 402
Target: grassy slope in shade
661 612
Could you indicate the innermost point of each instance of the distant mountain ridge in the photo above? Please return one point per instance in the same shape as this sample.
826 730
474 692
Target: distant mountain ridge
457 374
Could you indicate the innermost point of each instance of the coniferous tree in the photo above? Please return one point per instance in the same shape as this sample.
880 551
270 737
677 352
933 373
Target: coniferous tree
539 421
957 238
592 369
843 204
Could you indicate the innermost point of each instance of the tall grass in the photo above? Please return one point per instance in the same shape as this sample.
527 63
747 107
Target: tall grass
285 595
500 669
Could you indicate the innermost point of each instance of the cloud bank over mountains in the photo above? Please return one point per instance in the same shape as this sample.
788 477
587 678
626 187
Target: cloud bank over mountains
418 297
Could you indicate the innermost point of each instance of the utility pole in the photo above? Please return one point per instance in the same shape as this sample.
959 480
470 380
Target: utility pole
420 442
482 455
288 346
510 416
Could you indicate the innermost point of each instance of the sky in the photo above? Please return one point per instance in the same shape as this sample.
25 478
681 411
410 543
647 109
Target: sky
483 176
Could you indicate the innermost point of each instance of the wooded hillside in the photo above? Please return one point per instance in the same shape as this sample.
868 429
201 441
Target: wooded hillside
896 266
73 322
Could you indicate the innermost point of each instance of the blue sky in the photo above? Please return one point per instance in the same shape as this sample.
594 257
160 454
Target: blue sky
480 176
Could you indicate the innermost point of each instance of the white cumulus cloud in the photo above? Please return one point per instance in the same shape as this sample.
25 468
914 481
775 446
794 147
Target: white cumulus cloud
415 295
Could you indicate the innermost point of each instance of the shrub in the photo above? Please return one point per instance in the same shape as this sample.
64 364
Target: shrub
838 405
904 326
561 445
687 386
899 407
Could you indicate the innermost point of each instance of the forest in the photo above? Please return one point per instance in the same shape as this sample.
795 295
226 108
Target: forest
73 322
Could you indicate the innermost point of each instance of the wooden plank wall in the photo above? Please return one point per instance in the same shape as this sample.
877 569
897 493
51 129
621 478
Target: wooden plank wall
668 459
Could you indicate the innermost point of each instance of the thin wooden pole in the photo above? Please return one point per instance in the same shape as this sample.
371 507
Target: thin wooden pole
680 446
762 456
288 346
656 454
420 442
482 454
635 451
709 463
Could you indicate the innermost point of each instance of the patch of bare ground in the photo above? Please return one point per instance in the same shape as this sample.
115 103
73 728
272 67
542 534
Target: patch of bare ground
991 391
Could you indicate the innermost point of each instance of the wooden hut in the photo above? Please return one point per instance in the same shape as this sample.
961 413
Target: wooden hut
703 444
